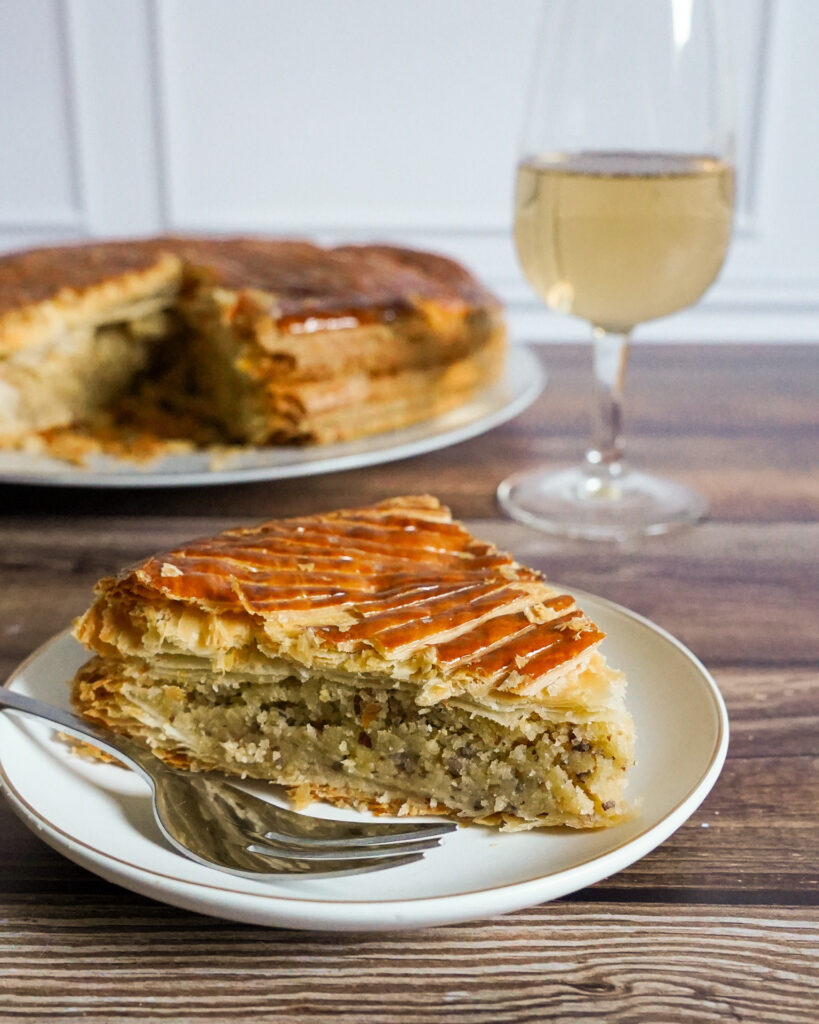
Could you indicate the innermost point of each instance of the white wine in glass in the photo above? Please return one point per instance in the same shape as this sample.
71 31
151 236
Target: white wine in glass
623 213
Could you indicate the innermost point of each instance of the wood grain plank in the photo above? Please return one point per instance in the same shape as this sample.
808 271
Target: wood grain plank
773 712
755 832
97 960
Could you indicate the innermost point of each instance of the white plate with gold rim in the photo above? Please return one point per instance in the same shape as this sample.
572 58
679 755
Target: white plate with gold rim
100 815
520 386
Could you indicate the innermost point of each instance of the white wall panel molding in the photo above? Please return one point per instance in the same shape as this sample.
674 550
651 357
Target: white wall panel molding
40 190
160 66
109 52
751 24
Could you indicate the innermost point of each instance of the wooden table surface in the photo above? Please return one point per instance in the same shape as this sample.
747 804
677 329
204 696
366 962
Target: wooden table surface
718 924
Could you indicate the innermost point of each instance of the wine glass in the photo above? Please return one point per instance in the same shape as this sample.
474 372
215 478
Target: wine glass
623 213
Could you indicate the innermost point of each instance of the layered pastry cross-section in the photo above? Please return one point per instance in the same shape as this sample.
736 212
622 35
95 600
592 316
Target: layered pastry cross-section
378 658
237 340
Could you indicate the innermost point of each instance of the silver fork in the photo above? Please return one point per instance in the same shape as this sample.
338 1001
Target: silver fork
221 826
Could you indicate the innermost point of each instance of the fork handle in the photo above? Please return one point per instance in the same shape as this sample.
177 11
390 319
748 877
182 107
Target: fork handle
120 747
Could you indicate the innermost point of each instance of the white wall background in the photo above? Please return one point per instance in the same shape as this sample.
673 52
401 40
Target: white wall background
360 119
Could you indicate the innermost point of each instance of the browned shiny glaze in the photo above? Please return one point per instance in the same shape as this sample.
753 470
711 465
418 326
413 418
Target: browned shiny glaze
401 580
449 617
520 651
483 638
338 319
567 645
303 280
413 532
337 546
411 595
434 615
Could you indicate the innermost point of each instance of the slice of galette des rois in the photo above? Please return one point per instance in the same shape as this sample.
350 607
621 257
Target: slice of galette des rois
380 658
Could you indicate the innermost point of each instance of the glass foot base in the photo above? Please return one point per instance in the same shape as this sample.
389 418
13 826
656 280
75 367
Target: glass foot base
576 503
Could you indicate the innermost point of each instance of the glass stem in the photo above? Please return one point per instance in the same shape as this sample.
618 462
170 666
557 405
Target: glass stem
604 457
